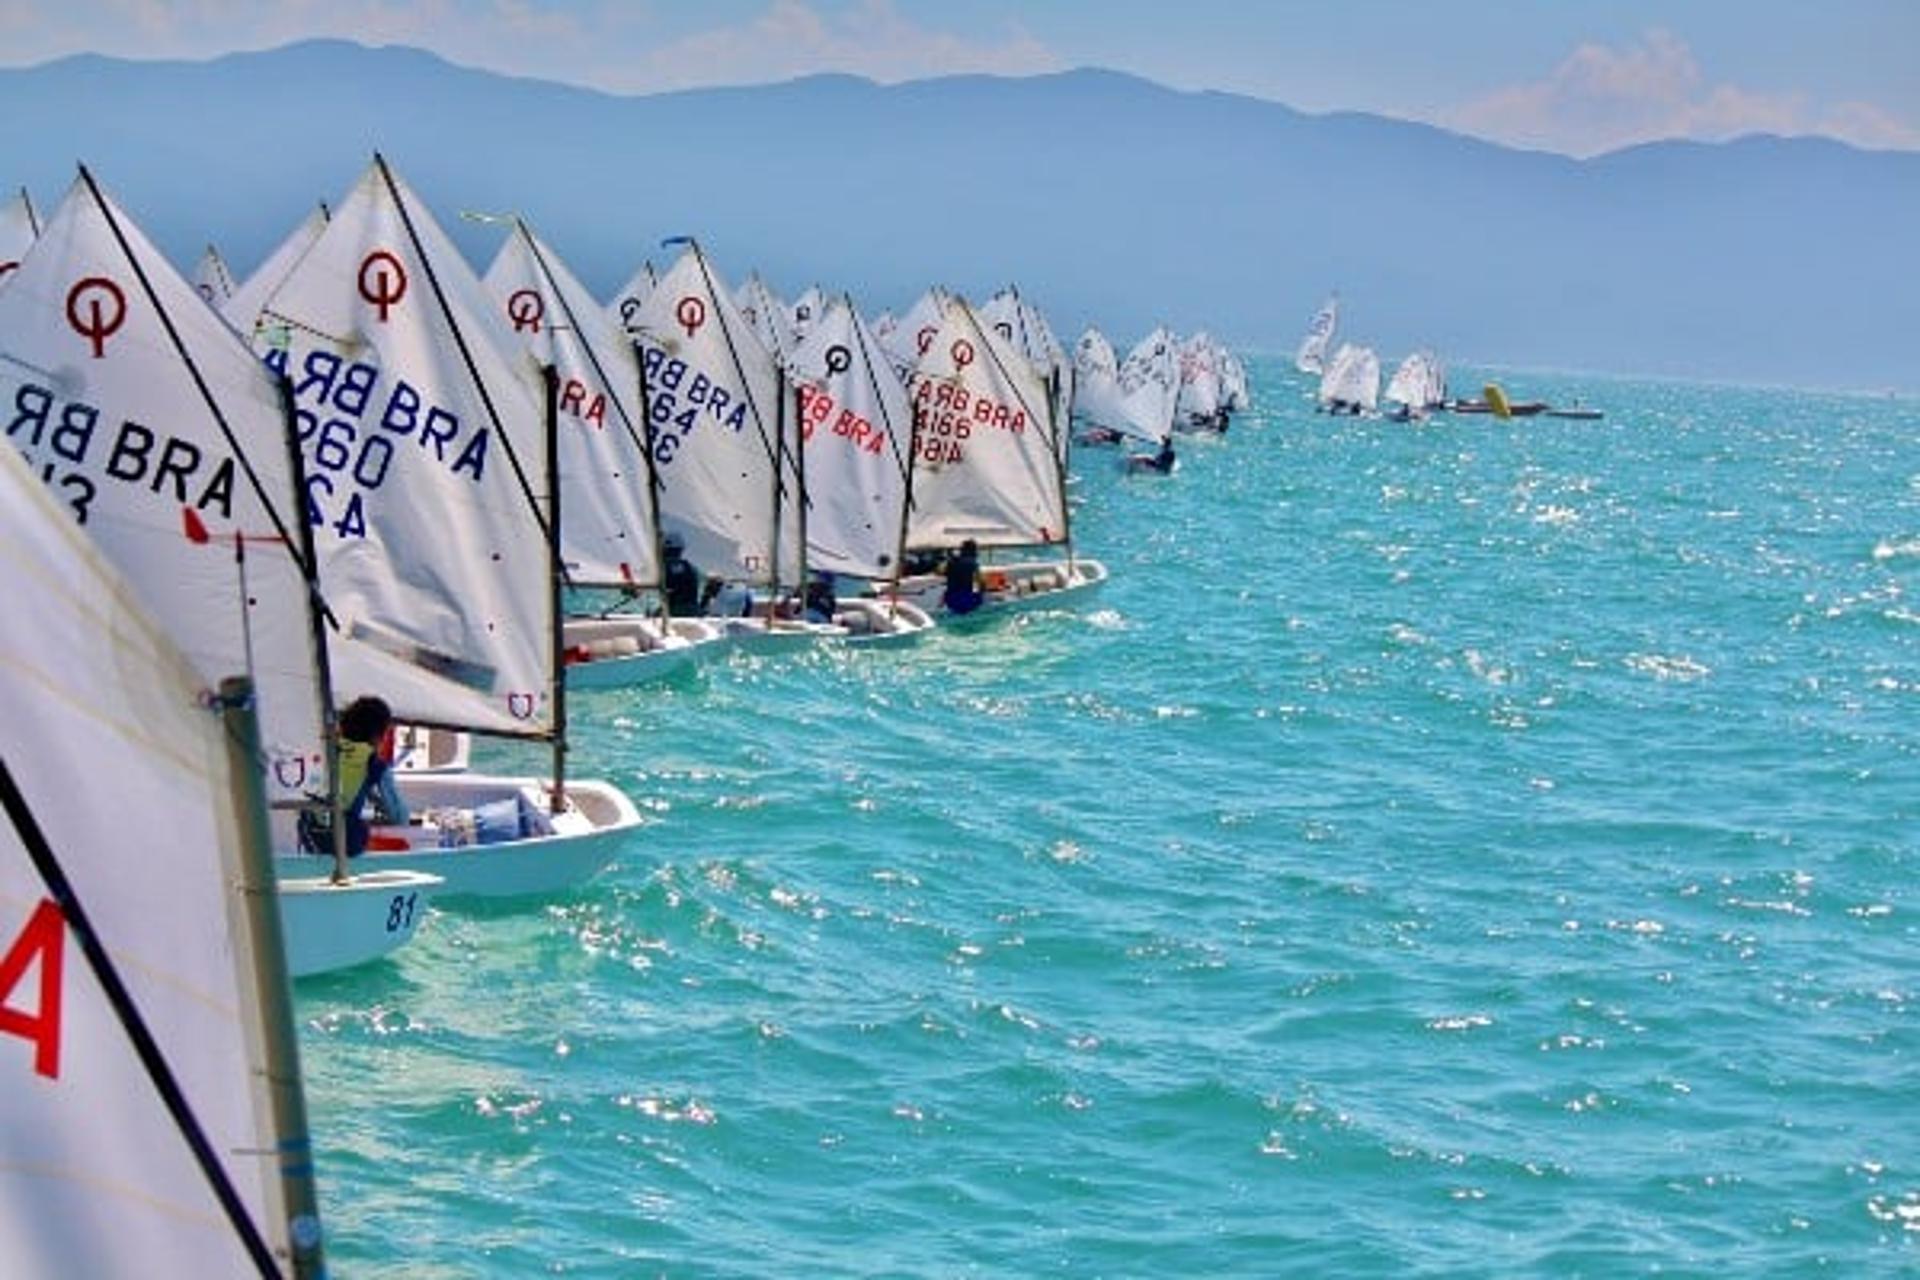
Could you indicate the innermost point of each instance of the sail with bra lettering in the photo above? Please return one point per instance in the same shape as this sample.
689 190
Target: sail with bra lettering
424 433
608 535
120 817
728 480
985 464
856 430
160 432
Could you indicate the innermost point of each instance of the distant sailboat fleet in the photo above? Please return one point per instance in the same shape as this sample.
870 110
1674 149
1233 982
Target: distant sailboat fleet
1349 380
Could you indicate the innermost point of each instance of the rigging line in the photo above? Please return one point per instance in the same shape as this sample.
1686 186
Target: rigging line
199 381
739 371
593 357
121 1001
460 341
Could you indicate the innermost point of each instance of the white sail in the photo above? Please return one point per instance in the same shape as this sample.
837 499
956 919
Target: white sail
856 430
912 336
110 752
1199 378
211 279
1352 379
1419 383
1025 329
1093 356
632 296
19 226
1312 355
1135 399
765 314
242 310
805 313
608 535
424 434
985 462
718 428
134 402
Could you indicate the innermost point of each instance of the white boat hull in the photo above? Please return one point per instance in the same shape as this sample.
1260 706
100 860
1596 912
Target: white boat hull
619 652
585 838
1026 584
882 623
779 635
331 926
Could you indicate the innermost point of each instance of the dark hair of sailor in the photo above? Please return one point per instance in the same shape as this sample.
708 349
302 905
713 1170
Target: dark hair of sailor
365 719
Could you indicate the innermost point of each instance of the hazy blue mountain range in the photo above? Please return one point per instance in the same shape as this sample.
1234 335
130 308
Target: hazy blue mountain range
1109 199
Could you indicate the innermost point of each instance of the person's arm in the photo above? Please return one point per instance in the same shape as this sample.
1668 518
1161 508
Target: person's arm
389 795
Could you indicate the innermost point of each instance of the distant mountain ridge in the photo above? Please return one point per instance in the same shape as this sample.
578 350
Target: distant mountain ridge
1110 199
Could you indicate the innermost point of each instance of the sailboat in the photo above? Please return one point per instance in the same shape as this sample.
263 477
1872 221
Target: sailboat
1023 327
155 1120
99 337
724 449
805 313
609 533
987 467
211 279
19 228
242 309
1312 355
1096 375
434 513
1199 407
856 434
1418 386
1351 383
912 335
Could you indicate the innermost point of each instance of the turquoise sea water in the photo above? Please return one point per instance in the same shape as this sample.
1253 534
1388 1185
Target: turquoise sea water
1475 847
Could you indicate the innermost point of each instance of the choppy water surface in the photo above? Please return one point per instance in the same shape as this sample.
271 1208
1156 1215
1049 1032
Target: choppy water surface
1466 847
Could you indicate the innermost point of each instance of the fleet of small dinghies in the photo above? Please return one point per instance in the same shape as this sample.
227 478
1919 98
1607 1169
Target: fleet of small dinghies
373 471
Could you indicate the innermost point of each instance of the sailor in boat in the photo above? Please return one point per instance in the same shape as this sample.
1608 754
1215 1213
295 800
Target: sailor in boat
723 599
821 601
366 770
680 578
1162 462
963 593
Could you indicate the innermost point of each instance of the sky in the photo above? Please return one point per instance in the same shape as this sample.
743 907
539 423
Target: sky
1557 75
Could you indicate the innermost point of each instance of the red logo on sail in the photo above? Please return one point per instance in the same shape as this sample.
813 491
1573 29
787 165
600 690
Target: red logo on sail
385 286
962 352
296 766
691 313
521 706
525 308
96 308
925 339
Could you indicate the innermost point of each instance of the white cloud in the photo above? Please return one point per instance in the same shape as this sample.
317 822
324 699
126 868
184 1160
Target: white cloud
1600 99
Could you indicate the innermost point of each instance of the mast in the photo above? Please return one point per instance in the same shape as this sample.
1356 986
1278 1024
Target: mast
556 579
280 1043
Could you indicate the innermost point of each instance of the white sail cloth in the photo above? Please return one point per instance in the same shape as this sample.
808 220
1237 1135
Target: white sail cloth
1199 378
912 335
97 1178
719 429
986 464
19 226
1137 399
1352 379
242 310
765 314
608 535
856 430
1419 383
161 433
424 434
1312 355
632 296
211 279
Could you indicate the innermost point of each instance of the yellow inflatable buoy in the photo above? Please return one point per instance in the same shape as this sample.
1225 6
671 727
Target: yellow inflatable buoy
1497 400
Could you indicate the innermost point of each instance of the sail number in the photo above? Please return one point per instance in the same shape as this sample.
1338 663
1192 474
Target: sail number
40 944
400 911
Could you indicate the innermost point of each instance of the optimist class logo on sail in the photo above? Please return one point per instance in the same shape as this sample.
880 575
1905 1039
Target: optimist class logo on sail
76 446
